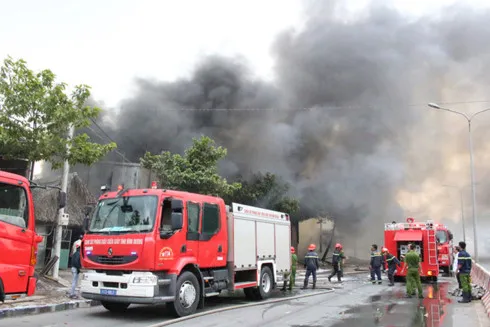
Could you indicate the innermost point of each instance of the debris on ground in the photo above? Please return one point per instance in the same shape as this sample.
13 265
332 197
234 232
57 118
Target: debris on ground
477 292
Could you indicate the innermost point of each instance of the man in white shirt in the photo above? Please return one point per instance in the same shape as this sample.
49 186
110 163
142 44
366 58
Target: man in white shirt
455 265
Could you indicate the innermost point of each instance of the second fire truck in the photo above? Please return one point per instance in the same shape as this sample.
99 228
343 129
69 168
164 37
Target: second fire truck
398 236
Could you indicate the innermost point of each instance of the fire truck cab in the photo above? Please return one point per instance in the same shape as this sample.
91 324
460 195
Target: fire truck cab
444 239
397 238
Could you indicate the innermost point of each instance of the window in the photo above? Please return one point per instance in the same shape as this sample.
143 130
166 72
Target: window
128 214
210 219
441 236
193 217
13 205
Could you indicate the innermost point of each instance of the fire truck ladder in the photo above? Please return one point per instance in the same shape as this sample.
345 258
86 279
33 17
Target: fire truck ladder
435 315
432 246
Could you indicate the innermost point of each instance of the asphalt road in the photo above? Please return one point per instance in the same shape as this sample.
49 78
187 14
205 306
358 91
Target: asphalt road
356 303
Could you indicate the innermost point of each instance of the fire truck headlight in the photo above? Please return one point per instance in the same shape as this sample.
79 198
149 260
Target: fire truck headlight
152 280
429 273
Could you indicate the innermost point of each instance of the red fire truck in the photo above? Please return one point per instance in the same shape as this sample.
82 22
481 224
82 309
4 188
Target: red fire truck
149 246
398 236
444 239
18 238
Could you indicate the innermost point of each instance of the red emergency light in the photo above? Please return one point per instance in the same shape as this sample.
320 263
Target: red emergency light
119 187
153 185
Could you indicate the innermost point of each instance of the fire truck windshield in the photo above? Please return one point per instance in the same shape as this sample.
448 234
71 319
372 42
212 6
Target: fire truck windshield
135 214
13 205
441 236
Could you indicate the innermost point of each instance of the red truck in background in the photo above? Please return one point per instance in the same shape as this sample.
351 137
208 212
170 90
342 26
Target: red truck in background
444 239
398 236
18 238
150 246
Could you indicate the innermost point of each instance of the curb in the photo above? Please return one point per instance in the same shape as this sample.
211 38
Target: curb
45 308
239 306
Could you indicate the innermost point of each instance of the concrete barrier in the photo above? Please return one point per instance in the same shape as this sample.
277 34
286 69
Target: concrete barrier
481 277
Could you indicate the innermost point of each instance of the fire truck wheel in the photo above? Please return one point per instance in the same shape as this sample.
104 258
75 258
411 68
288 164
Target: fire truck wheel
266 283
187 297
115 307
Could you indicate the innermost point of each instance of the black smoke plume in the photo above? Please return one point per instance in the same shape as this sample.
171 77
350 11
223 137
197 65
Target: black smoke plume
345 119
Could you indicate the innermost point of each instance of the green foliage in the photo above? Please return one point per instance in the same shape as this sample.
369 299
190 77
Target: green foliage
196 171
36 114
266 191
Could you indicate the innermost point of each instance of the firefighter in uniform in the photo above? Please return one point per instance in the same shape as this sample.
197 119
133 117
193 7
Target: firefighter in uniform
464 269
392 262
338 258
412 259
311 265
377 261
291 275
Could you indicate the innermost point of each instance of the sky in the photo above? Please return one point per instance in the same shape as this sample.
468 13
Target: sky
106 44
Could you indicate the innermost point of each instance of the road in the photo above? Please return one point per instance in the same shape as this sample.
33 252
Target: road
356 303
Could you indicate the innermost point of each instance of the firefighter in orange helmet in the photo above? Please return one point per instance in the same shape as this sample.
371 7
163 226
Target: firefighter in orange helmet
338 258
291 275
392 262
311 265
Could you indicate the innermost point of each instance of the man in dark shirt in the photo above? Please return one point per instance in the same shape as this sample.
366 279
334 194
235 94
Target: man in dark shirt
377 261
464 269
76 265
311 265
392 262
338 258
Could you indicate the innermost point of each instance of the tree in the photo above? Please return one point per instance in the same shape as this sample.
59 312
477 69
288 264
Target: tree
36 113
196 171
266 191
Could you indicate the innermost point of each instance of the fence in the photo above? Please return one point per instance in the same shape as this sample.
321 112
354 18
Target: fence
481 277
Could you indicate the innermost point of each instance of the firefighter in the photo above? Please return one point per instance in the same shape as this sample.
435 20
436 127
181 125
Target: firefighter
464 269
392 262
338 258
291 275
377 261
311 265
412 259
294 262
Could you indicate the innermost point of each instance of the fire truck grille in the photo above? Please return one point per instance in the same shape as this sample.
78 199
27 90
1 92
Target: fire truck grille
114 260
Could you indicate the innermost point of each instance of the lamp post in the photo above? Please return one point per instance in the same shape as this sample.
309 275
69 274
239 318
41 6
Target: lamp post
472 168
460 190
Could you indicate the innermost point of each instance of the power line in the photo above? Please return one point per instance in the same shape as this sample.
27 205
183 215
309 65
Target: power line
115 150
317 107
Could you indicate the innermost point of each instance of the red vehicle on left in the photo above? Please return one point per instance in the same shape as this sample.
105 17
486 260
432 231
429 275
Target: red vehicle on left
18 238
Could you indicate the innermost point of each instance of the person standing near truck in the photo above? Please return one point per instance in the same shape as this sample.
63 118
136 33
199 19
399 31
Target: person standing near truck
311 265
291 275
377 261
412 259
338 258
464 269
455 266
76 265
392 262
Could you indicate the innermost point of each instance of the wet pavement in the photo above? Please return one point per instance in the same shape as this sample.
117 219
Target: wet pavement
356 302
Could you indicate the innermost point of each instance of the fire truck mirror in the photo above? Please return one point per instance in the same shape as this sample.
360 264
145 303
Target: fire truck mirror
88 210
177 205
177 221
61 199
86 223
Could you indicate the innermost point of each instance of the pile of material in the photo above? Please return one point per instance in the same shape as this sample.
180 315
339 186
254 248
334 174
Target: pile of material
477 292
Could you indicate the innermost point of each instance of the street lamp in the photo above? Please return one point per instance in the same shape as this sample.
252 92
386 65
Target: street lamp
472 168
462 208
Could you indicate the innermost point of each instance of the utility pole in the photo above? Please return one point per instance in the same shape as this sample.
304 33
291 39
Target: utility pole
61 212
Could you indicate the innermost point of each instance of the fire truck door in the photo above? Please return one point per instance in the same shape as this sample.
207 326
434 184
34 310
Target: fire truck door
211 246
192 236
